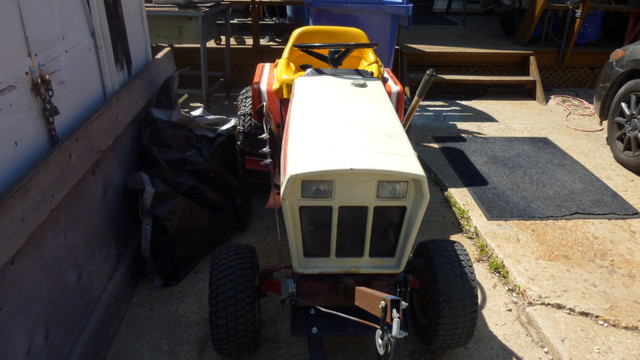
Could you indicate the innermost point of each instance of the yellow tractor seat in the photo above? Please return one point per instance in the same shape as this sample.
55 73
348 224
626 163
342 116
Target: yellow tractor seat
288 68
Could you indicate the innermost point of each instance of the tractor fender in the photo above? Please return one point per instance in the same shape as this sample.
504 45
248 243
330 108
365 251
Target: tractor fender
262 93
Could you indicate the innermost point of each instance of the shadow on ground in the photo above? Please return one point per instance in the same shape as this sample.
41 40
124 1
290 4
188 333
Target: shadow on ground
172 322
436 121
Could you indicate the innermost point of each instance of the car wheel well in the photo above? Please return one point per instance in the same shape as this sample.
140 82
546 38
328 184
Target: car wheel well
616 85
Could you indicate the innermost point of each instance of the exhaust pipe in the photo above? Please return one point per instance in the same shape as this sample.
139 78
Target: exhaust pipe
425 84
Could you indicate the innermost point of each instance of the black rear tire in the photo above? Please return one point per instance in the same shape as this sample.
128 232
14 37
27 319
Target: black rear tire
248 128
623 134
249 143
444 308
234 301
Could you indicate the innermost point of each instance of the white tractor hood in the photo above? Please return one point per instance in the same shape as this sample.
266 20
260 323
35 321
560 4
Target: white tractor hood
343 131
338 123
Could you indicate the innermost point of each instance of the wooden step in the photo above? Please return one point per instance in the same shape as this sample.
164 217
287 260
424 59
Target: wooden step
487 79
531 80
448 56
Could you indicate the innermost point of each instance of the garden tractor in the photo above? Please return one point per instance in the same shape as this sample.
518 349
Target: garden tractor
326 122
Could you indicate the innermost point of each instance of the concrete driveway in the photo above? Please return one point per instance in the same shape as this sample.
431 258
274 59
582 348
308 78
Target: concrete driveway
579 298
579 277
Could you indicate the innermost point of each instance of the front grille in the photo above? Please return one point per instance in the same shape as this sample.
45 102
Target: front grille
385 230
315 222
351 231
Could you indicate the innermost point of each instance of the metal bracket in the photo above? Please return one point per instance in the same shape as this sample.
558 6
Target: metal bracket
372 301
389 309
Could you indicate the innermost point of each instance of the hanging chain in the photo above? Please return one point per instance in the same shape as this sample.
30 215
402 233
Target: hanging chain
43 90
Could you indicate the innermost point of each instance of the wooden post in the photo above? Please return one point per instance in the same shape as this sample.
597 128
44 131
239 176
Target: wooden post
255 30
529 21
584 7
538 91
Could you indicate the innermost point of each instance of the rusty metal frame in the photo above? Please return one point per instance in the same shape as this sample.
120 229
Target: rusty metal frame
378 303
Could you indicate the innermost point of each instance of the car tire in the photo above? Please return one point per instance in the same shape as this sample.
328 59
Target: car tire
234 300
444 308
623 134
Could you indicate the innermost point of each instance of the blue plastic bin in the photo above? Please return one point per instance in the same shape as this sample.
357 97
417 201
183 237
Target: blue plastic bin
379 19
590 30
297 14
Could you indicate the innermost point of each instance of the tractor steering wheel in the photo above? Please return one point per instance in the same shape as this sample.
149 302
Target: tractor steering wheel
337 51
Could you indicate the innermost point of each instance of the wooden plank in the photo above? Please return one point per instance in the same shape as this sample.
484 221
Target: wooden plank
598 7
590 58
538 91
110 310
556 7
614 8
486 79
50 289
581 58
463 50
529 21
468 58
168 29
29 203
571 42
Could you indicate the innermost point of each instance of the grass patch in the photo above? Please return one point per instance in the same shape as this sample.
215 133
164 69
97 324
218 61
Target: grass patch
496 264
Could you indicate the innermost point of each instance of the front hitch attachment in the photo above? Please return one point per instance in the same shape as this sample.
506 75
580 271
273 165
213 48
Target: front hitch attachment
389 309
425 84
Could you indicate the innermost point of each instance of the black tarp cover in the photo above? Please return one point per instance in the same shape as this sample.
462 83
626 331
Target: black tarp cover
192 198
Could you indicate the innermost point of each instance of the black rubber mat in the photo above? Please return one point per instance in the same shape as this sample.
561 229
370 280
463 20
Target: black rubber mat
526 178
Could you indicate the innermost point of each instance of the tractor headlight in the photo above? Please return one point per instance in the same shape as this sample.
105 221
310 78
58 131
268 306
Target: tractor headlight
317 189
392 189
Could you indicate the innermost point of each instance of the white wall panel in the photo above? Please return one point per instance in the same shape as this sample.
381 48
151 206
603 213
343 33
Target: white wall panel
71 39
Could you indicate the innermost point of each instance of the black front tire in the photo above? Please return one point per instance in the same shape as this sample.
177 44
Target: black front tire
623 134
444 308
234 301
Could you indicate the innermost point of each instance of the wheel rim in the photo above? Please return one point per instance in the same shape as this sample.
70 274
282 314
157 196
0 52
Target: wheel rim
627 136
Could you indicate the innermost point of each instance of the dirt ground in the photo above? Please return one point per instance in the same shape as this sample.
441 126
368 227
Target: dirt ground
578 278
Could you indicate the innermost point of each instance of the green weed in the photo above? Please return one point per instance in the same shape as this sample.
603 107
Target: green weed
496 265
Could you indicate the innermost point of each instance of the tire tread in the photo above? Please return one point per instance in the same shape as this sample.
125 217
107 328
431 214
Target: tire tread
234 314
456 294
248 128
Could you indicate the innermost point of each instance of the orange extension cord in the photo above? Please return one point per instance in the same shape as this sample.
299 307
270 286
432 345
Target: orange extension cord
572 106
